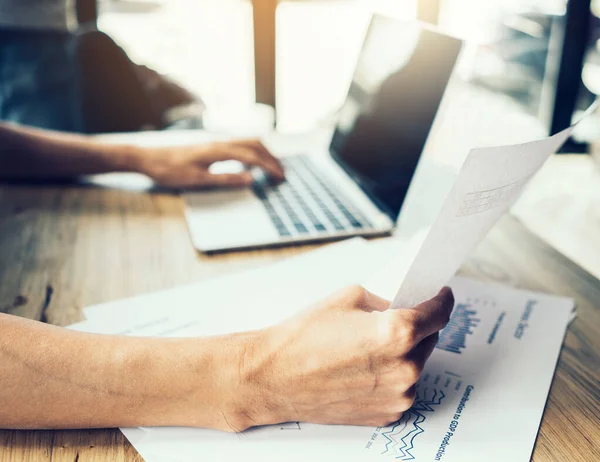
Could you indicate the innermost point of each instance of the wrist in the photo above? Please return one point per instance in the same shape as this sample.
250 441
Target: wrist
251 396
133 159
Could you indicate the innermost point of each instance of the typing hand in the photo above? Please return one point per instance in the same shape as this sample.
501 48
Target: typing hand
188 166
345 361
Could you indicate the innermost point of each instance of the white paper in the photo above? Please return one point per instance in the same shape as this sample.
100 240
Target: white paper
489 182
297 280
499 351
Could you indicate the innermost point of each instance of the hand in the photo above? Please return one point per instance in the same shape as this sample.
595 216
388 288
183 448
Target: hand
349 360
188 166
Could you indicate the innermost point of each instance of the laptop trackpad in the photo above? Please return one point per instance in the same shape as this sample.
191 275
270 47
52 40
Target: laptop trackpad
226 219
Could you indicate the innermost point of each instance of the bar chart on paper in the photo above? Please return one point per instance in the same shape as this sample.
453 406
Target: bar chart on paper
462 323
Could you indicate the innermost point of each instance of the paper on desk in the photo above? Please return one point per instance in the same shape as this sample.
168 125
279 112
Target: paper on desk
489 182
481 397
297 280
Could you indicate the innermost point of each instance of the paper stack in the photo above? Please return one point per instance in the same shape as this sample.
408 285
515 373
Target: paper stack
481 397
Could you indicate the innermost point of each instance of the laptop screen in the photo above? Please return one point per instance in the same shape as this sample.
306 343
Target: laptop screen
398 85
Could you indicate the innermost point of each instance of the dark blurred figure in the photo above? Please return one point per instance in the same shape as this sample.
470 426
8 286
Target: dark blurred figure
59 75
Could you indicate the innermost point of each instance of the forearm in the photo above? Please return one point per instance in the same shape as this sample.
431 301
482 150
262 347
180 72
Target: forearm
27 153
55 378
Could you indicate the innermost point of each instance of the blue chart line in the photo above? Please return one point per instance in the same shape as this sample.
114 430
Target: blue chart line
400 438
454 337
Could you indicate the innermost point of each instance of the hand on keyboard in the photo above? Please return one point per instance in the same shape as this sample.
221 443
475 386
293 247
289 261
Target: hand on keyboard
188 166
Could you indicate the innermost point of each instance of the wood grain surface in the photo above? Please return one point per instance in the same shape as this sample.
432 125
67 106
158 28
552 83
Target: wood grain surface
64 247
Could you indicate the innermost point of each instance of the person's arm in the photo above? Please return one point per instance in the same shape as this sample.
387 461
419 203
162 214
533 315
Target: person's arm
27 153
344 361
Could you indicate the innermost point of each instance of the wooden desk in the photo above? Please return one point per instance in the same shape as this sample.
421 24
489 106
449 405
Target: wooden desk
63 248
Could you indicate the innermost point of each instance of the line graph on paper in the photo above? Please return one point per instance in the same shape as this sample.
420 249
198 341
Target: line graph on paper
399 440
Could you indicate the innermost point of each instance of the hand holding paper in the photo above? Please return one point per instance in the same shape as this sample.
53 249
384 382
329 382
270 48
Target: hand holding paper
348 360
478 358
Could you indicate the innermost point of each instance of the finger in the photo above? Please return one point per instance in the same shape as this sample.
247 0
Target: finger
265 154
257 154
248 157
230 151
411 395
414 361
421 353
371 302
231 180
428 317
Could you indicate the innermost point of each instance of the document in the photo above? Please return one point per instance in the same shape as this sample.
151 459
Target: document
488 184
490 181
297 281
481 396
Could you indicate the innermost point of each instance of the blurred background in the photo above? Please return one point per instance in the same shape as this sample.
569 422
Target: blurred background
529 68
516 48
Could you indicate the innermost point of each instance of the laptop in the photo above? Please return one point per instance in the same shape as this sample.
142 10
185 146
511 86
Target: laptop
358 187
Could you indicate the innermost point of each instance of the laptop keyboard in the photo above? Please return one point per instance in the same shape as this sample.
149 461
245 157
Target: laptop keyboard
307 203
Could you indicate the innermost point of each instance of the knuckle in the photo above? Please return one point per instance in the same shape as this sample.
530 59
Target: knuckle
396 416
407 403
386 420
357 294
408 399
393 417
401 407
256 145
388 340
253 156
412 372
405 332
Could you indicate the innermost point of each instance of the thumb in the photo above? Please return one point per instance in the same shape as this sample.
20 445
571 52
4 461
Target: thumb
430 316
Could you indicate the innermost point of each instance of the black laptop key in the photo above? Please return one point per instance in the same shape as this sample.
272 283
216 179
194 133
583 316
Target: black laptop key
283 231
260 192
306 203
291 213
301 228
314 221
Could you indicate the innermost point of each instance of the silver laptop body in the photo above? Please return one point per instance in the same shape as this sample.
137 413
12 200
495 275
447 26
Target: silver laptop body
356 188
